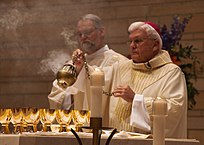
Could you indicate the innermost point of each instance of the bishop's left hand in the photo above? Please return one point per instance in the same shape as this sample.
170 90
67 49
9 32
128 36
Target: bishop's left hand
125 92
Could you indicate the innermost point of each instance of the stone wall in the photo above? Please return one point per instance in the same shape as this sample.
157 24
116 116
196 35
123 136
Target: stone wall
32 32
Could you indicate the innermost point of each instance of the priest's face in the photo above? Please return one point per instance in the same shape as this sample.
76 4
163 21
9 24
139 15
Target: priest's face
89 37
142 47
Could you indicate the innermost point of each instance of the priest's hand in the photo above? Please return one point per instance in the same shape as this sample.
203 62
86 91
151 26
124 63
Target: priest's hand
125 92
78 59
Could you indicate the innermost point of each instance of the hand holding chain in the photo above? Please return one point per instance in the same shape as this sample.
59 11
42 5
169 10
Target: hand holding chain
67 75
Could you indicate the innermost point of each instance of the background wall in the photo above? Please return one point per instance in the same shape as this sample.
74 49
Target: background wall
34 42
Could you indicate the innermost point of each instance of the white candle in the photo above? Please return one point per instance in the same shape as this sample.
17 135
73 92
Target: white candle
96 101
97 82
159 121
159 106
97 77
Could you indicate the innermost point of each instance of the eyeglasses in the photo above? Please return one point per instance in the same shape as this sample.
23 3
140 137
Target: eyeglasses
136 41
85 33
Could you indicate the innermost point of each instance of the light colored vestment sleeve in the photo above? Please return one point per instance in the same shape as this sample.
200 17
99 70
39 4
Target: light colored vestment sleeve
175 94
60 98
56 96
139 116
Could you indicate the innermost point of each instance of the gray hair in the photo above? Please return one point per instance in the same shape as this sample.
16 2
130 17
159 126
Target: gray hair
151 32
98 23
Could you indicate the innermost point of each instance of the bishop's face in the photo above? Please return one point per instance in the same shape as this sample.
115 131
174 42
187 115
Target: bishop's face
142 47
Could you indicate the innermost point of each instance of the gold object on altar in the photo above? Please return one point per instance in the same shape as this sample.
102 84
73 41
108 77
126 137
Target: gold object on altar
47 116
17 120
81 118
5 116
31 117
64 118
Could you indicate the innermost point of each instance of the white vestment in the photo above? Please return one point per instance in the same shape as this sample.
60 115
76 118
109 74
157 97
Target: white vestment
157 78
60 98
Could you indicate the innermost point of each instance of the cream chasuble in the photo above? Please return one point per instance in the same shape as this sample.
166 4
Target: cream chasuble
157 78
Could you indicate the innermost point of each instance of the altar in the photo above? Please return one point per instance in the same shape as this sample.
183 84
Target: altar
68 139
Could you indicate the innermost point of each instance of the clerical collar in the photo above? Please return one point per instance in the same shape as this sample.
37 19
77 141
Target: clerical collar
160 59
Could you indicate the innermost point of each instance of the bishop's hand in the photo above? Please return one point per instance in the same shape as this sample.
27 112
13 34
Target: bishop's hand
125 92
